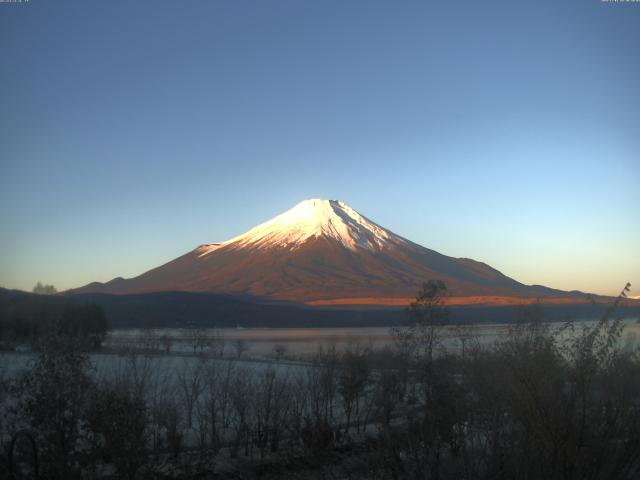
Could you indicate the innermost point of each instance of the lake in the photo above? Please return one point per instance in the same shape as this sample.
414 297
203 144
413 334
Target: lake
302 342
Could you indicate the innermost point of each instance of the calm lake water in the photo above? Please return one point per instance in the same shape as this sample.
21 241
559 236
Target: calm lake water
301 342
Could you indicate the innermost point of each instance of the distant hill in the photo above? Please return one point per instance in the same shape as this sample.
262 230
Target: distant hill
187 309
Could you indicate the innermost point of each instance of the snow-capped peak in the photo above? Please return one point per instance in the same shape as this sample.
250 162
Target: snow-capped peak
317 218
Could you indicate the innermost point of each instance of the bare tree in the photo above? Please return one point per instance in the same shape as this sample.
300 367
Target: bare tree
279 351
217 343
352 380
199 340
240 398
240 347
41 289
149 341
191 381
269 410
427 315
167 343
216 405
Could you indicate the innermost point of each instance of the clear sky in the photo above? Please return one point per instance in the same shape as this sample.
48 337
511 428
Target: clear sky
504 131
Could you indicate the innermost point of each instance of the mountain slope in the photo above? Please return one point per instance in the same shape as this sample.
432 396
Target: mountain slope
320 250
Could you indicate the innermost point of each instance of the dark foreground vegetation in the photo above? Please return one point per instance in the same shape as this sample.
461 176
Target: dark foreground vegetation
545 402
28 319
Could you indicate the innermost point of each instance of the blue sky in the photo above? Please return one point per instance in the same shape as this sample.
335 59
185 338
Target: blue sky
504 131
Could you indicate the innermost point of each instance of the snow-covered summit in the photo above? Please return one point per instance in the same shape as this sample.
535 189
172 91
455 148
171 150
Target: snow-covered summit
317 218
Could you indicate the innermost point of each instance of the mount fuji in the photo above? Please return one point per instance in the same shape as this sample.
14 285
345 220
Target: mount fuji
323 252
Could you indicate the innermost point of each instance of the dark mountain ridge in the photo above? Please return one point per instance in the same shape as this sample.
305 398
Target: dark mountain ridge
189 309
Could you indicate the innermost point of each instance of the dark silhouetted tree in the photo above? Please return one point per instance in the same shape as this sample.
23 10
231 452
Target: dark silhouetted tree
41 289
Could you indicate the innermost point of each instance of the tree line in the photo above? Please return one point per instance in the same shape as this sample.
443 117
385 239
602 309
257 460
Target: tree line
28 318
